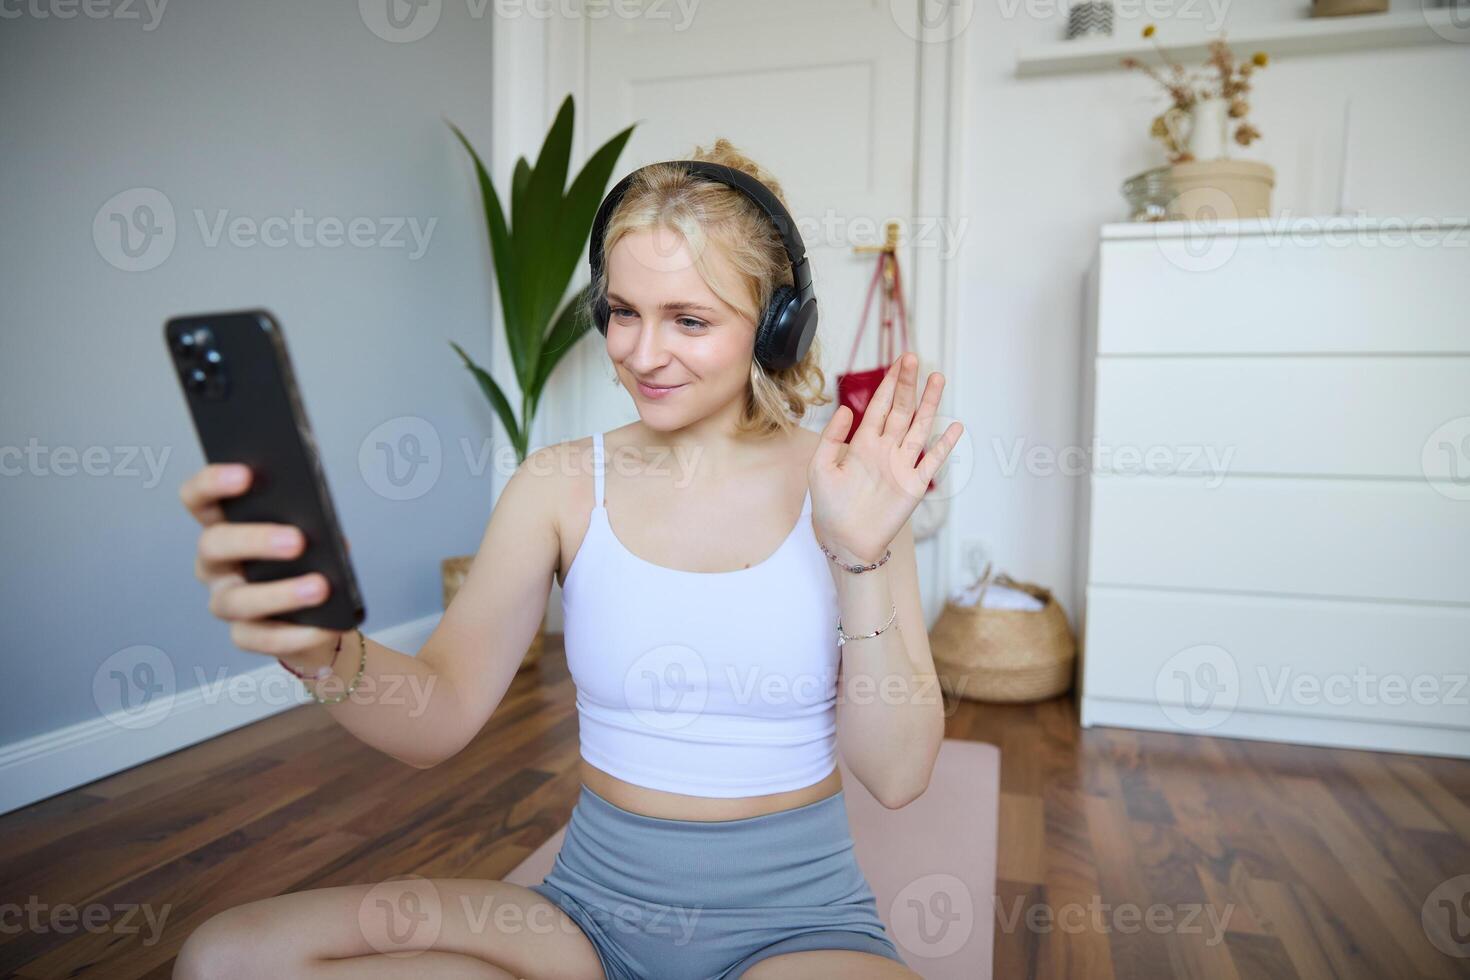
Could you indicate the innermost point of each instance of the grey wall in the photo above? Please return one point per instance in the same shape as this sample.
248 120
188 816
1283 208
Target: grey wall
257 109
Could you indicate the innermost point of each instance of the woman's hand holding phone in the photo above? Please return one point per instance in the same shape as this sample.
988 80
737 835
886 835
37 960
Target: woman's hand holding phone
246 606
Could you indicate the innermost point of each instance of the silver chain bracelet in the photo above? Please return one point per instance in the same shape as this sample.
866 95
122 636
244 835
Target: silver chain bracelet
844 637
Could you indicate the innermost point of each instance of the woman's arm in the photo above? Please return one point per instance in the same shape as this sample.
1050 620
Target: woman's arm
419 710
446 694
864 490
890 711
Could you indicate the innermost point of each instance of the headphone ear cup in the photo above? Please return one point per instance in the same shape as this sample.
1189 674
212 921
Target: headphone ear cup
770 335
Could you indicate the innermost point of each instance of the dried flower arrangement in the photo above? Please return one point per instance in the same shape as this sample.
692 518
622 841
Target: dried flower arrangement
1222 77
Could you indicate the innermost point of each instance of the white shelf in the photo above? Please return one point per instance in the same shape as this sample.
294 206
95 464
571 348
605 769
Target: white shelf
1320 35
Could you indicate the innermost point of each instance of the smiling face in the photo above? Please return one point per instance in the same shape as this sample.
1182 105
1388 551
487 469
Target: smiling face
680 351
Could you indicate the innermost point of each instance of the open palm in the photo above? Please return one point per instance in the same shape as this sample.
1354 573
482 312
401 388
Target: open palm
864 491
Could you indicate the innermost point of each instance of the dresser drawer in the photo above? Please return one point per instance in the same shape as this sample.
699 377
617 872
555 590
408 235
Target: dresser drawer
1370 539
1318 416
1265 294
1193 654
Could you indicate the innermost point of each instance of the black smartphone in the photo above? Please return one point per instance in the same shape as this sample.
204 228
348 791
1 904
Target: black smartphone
237 379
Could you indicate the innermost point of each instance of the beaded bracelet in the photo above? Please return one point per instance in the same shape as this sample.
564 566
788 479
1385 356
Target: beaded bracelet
352 685
322 672
856 569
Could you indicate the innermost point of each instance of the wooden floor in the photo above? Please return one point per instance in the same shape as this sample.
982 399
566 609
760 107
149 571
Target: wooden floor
1122 854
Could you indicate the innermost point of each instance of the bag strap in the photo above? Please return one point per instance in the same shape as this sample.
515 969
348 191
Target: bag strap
891 298
867 305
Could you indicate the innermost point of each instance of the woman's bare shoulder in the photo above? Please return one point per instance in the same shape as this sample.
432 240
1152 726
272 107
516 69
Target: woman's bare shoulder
560 477
557 470
805 442
809 438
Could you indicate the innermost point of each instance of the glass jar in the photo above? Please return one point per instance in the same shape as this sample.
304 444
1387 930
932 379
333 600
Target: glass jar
1148 195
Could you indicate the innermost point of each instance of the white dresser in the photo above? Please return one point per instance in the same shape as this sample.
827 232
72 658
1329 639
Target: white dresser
1275 533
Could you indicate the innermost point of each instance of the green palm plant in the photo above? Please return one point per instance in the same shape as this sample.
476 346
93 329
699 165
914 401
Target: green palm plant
534 254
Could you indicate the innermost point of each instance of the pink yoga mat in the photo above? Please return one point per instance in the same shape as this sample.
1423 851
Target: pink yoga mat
931 864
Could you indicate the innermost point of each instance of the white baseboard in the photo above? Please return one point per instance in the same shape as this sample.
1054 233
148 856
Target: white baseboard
43 765
1343 733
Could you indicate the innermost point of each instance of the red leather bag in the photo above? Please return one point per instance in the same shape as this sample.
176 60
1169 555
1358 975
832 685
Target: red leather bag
856 388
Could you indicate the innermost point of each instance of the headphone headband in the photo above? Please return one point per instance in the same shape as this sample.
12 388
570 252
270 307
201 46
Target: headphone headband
785 331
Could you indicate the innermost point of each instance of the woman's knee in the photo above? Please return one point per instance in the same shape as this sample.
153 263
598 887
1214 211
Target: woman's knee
230 944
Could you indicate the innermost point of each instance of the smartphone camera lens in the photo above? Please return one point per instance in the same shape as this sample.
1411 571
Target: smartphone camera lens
213 361
196 379
203 338
184 345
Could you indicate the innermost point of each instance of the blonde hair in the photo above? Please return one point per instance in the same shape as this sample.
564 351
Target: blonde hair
663 195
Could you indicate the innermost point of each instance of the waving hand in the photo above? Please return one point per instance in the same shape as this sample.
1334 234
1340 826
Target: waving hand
864 491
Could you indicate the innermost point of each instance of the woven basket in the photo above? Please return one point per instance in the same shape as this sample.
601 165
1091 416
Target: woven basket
1004 655
453 572
1340 8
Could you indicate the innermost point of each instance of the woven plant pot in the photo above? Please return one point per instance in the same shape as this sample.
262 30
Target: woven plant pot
453 570
1006 656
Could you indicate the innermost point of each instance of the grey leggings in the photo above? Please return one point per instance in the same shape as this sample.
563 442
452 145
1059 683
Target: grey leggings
692 899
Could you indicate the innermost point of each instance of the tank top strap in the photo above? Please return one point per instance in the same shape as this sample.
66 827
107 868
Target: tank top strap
597 500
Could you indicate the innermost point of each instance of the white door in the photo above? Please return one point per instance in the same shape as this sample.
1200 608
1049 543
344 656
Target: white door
820 93
823 94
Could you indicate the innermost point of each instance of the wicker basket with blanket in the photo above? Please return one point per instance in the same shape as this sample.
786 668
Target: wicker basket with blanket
1003 655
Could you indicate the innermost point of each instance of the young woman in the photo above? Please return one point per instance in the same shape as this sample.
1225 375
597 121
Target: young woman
711 555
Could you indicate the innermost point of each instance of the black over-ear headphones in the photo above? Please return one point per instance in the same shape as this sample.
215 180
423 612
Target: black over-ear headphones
790 320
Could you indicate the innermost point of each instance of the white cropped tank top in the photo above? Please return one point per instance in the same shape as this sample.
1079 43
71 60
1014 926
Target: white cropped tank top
703 683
